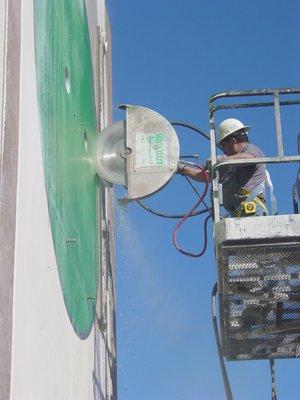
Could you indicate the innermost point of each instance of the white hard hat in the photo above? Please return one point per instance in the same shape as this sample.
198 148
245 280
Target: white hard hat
230 126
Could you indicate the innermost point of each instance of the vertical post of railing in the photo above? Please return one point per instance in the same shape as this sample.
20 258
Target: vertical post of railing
278 125
295 199
215 174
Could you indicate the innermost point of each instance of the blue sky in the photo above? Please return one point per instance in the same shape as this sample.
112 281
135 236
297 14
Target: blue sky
171 56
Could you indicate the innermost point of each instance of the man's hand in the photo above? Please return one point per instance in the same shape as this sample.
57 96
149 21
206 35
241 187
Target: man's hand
207 165
180 167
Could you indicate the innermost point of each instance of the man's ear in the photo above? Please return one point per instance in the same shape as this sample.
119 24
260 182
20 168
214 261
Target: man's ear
233 140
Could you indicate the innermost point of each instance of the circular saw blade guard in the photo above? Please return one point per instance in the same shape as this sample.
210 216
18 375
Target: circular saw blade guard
140 153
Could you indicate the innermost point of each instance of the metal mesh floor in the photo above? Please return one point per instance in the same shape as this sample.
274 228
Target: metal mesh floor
260 302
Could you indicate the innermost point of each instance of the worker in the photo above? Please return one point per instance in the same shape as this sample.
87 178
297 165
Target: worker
243 186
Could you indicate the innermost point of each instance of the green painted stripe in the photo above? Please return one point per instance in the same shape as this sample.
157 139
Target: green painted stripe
68 124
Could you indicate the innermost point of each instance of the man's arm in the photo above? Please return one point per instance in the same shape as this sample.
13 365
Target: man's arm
237 156
198 175
192 172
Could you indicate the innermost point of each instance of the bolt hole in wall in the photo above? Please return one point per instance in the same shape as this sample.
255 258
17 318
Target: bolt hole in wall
263 134
67 80
85 140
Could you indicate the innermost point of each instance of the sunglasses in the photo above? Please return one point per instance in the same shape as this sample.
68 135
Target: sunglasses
224 142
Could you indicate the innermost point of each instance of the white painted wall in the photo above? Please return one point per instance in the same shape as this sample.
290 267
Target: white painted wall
9 135
48 360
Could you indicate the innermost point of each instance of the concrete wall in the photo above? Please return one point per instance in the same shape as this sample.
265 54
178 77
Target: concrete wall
3 7
9 135
41 356
102 59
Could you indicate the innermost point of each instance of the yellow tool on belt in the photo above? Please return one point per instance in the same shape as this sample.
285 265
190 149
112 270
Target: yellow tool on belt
248 207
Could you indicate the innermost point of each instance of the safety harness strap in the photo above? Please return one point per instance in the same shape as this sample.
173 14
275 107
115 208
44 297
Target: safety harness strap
272 196
255 197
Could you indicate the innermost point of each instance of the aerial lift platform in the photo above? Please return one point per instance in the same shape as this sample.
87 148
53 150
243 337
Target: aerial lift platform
258 257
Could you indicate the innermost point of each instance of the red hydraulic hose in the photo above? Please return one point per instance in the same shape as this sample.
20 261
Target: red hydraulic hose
182 220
